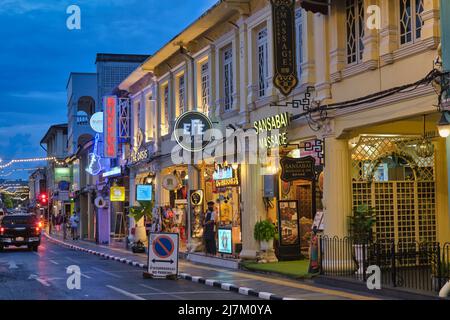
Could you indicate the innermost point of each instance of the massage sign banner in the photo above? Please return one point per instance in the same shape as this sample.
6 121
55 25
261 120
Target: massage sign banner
110 126
285 66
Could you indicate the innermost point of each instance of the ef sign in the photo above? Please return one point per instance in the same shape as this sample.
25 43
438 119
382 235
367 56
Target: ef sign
110 126
193 131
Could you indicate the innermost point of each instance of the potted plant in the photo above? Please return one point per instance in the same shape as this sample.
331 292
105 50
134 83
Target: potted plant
360 228
145 209
264 232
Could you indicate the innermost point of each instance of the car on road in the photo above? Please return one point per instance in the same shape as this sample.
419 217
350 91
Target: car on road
20 230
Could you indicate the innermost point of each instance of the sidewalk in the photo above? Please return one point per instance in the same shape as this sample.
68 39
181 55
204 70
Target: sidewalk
244 282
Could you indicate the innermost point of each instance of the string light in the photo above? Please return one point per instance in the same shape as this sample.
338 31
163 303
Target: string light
14 161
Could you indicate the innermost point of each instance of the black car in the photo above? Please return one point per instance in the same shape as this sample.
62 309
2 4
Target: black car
20 230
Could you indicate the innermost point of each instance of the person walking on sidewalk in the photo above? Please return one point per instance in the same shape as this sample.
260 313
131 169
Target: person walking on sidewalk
74 226
64 226
209 233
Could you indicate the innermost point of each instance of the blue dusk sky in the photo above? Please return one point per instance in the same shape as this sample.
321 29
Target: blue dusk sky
38 52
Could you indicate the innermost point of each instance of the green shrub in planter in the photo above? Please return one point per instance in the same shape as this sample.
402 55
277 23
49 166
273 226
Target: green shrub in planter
264 231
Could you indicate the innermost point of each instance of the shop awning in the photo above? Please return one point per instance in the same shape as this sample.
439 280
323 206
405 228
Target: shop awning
316 6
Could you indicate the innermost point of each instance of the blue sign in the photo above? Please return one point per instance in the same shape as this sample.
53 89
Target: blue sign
144 192
225 241
163 247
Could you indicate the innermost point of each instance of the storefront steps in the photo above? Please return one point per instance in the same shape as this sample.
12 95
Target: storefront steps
212 261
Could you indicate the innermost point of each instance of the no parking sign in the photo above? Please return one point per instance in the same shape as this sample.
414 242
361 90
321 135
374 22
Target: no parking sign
163 255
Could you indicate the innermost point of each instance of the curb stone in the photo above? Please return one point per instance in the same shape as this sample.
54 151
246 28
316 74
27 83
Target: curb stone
208 282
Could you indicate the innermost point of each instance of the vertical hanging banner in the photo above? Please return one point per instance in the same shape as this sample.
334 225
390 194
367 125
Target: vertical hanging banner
285 67
110 126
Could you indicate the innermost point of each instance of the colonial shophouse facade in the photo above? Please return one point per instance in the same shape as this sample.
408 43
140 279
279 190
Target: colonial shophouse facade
222 65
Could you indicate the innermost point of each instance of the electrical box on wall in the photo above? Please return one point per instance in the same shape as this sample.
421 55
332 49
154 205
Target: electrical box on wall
271 186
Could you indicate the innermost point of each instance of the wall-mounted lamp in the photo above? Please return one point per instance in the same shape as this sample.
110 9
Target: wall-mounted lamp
444 126
235 166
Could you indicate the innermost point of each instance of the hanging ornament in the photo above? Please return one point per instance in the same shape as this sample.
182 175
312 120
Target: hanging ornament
425 149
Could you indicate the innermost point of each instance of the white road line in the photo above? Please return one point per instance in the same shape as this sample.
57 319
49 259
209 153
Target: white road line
184 292
125 293
161 291
54 262
106 272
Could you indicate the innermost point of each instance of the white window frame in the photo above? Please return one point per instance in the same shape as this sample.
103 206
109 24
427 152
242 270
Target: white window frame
204 87
358 18
262 60
181 103
228 85
165 114
415 17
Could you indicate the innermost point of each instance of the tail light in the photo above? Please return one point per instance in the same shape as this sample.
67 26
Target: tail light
2 230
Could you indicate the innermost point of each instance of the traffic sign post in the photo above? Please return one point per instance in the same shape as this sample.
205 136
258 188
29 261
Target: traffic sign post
162 255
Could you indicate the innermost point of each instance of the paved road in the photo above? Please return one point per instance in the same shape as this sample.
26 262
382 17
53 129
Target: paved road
42 275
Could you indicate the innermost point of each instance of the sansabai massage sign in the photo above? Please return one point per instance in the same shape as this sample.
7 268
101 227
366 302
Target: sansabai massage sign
274 123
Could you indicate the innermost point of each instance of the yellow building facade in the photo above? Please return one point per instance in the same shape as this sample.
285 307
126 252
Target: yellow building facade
222 65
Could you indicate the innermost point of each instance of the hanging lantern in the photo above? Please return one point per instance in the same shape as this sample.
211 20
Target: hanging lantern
425 149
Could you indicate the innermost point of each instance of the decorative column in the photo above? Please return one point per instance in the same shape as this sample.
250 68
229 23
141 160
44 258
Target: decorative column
323 85
442 217
193 184
252 208
337 40
370 40
245 69
389 31
431 24
337 205
445 40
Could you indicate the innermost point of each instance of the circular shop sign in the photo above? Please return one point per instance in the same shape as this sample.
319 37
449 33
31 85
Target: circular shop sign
193 131
97 122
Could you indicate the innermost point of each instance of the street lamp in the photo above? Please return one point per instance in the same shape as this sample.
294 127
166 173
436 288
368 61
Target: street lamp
444 126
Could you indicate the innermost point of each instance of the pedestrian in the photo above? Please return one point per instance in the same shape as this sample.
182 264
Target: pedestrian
74 226
64 226
209 232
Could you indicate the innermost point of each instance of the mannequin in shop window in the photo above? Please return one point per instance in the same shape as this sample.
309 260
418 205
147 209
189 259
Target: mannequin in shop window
209 230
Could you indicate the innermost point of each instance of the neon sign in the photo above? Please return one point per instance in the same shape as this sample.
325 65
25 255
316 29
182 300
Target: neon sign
110 126
95 165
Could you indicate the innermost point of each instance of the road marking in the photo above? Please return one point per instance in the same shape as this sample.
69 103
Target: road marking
161 291
183 292
107 272
286 283
41 281
125 293
54 262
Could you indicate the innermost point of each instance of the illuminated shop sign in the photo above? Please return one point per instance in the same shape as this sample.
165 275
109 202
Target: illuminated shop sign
94 166
285 66
295 169
267 125
139 151
117 194
192 131
96 122
113 172
225 241
144 192
110 126
225 177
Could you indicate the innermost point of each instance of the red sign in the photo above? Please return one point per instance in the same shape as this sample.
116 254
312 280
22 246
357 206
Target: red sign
110 126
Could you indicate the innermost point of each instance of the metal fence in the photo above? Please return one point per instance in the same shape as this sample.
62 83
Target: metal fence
412 266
